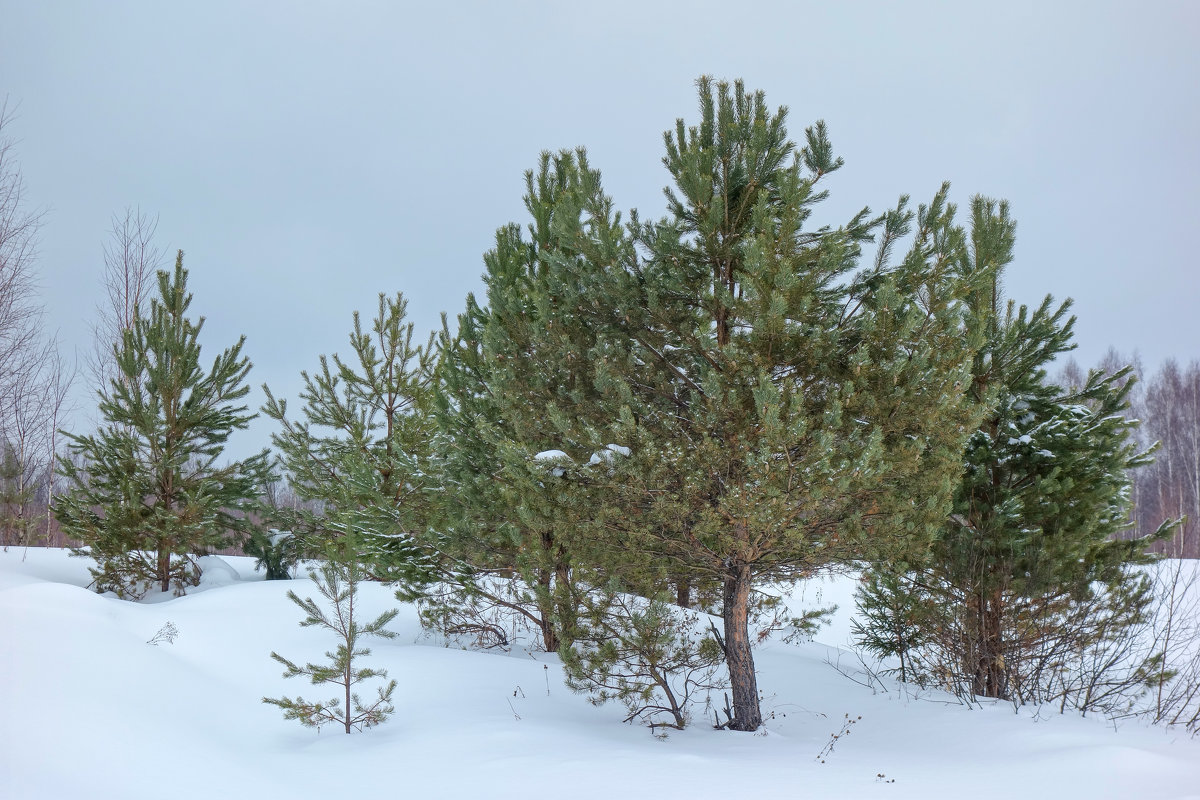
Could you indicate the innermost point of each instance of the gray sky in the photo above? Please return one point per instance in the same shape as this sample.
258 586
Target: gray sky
307 156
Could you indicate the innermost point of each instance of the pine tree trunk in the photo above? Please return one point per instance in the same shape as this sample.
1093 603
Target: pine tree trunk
988 680
549 637
564 603
545 606
683 593
553 596
544 596
348 627
738 657
164 566
346 721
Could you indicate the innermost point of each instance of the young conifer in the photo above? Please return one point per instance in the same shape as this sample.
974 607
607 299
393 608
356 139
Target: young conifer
504 371
146 492
338 584
1044 489
362 448
275 552
16 495
646 653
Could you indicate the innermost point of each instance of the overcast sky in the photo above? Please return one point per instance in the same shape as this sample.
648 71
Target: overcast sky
307 156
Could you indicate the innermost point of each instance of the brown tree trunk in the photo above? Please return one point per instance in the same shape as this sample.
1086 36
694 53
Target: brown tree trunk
564 602
545 606
348 675
552 594
742 682
549 637
989 667
164 566
683 593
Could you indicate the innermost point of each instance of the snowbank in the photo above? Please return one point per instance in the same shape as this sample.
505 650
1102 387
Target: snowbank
90 709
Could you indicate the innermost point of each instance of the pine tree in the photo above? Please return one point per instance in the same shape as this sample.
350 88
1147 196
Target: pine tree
894 619
146 494
338 584
275 552
736 400
646 653
16 494
817 408
507 361
1044 490
363 447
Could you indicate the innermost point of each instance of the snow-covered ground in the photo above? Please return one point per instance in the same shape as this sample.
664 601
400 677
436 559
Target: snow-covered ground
89 709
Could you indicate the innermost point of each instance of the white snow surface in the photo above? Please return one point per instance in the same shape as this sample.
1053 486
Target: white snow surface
89 709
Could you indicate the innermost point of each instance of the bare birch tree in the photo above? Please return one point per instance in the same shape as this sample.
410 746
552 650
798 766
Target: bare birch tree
1167 403
33 382
20 315
131 260
1173 486
56 408
39 404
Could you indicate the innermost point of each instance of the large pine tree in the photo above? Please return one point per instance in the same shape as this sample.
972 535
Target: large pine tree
147 494
738 398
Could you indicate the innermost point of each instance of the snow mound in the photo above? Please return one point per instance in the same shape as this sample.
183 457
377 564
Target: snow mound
216 571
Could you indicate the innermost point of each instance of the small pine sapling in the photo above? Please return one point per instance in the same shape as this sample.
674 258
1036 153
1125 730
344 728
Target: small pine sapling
276 552
895 619
147 493
338 584
645 653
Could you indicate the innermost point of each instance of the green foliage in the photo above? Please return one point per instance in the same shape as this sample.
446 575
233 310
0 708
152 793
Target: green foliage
146 494
362 448
16 493
275 552
737 395
784 405
1029 540
810 621
338 584
647 654
498 381
894 618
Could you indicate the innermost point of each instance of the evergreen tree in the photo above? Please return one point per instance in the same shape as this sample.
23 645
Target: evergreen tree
646 653
893 619
507 361
146 494
338 584
16 494
817 410
275 552
736 401
363 447
1044 490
